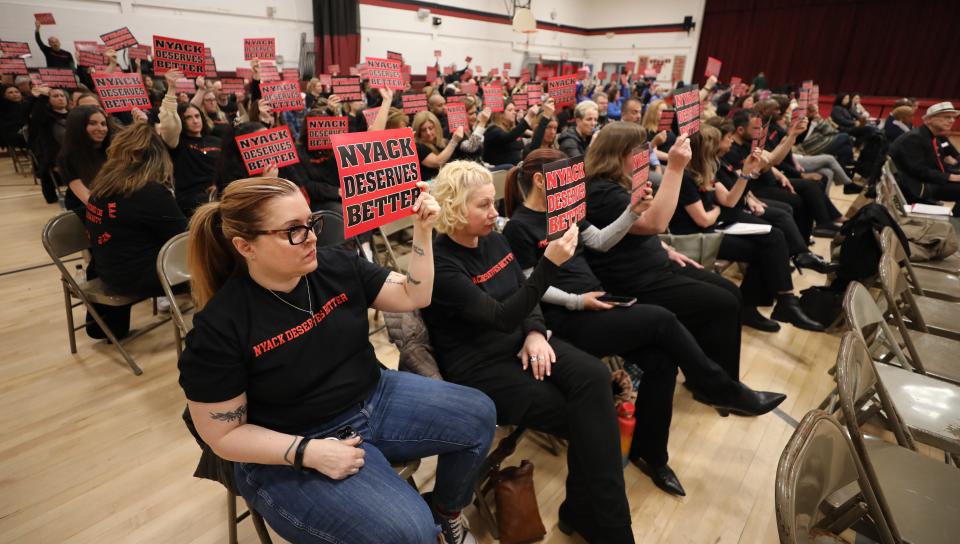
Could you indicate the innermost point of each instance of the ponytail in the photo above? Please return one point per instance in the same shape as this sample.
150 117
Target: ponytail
211 256
519 180
512 194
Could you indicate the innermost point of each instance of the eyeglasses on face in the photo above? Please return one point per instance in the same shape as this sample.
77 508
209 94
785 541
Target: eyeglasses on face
299 234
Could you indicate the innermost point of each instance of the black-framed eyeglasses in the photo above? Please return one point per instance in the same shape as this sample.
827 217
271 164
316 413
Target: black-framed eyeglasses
299 234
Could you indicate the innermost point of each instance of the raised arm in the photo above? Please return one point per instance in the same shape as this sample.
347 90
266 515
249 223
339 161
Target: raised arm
170 126
656 219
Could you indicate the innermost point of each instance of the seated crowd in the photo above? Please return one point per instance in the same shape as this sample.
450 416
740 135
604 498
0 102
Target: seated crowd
518 323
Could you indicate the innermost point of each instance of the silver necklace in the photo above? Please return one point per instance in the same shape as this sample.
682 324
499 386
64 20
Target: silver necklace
309 300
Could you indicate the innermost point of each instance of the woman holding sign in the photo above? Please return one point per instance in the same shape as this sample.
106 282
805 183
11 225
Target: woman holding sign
434 151
486 327
577 308
280 376
503 140
194 151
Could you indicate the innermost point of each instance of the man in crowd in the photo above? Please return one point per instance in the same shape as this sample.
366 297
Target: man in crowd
56 57
927 164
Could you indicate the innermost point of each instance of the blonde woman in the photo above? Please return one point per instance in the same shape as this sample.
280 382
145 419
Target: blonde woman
663 140
488 332
434 151
312 437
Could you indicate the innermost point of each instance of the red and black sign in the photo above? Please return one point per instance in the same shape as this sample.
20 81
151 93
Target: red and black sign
687 103
244 72
58 78
266 148
90 53
414 103
185 85
141 52
15 49
432 73
379 172
665 122
231 85
640 166
563 90
45 18
325 79
393 55
209 67
493 97
13 66
347 88
119 39
520 100
259 48
173 54
320 129
282 95
268 71
291 74
631 66
121 91
642 62
370 115
334 69
385 73
469 89
713 67
457 116
679 63
534 93
566 187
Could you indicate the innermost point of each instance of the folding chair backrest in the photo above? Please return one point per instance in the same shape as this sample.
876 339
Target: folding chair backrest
817 462
332 232
866 319
856 380
396 226
895 287
65 235
889 242
499 182
172 271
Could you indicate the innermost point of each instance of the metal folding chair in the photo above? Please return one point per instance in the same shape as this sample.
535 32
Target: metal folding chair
172 271
924 314
924 281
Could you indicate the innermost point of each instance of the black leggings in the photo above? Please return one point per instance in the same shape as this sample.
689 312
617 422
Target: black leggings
654 339
707 304
777 214
768 270
945 191
809 204
575 402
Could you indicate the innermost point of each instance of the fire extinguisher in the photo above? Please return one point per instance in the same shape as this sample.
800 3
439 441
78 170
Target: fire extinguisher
627 422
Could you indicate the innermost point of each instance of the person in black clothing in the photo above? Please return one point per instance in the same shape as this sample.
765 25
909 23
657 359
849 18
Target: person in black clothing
843 115
640 265
503 140
319 163
194 151
767 278
575 139
48 121
926 162
487 332
281 378
14 113
648 336
899 122
437 104
545 135
84 150
432 148
55 56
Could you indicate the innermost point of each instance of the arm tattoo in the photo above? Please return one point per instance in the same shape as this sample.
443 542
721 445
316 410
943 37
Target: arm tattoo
413 281
236 415
394 278
418 250
287 453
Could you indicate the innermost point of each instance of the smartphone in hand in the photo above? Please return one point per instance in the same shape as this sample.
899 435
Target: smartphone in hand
624 302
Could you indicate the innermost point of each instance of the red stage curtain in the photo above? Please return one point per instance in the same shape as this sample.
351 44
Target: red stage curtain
336 30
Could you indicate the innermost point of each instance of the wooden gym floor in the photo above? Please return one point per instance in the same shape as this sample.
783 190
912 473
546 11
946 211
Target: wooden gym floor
91 453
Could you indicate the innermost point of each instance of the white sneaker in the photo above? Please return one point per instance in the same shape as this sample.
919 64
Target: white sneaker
456 530
163 304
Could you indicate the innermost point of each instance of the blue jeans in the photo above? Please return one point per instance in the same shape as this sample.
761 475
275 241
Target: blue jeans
406 417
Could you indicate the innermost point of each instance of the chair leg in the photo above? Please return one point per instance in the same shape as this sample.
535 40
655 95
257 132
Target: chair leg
260 526
116 342
231 517
71 332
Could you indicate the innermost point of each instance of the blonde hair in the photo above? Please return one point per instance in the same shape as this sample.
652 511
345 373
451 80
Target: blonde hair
584 108
703 163
136 156
500 119
422 117
454 184
211 256
397 119
651 117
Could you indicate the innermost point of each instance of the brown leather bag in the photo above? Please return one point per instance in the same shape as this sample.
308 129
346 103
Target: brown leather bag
518 516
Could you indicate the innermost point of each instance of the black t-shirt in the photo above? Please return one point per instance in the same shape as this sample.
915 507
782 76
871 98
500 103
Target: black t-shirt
426 173
482 307
74 167
739 153
634 256
127 232
527 233
774 136
319 177
297 371
690 192
194 162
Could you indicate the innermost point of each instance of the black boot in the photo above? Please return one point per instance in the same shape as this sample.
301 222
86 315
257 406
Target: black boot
571 520
662 476
750 317
825 230
813 262
852 188
742 401
788 310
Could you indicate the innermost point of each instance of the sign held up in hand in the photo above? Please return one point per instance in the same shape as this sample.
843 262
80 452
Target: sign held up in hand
58 78
414 103
119 39
259 48
121 91
566 188
687 103
321 129
713 67
493 97
347 88
379 172
385 73
173 54
15 49
139 52
282 95
45 18
563 90
13 66
665 122
457 116
266 148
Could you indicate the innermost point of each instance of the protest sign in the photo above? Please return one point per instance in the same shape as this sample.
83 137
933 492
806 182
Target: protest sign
244 72
679 63
13 66
432 73
370 114
45 18
458 98
534 93
141 52
414 103
566 188
174 54
90 53
393 55
379 172
231 85
815 95
347 88
15 49
545 72
631 66
457 116
469 89
506 67
320 129
582 74
273 147
58 78
121 91
687 103
520 100
437 53
268 71
209 67
282 95
188 86
640 167
563 90
665 122
493 97
36 80
259 48
385 73
713 67
291 74
642 62
119 39
334 69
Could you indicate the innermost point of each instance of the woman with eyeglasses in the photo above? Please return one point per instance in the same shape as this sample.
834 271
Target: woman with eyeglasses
194 150
281 379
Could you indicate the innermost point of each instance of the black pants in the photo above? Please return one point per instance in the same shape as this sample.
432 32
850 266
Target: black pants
768 271
575 402
944 191
707 305
809 203
842 148
777 214
654 339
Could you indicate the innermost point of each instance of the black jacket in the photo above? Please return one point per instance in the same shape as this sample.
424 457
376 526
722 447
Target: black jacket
571 143
918 162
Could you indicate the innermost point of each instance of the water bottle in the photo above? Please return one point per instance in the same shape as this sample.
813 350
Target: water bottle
80 274
627 422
